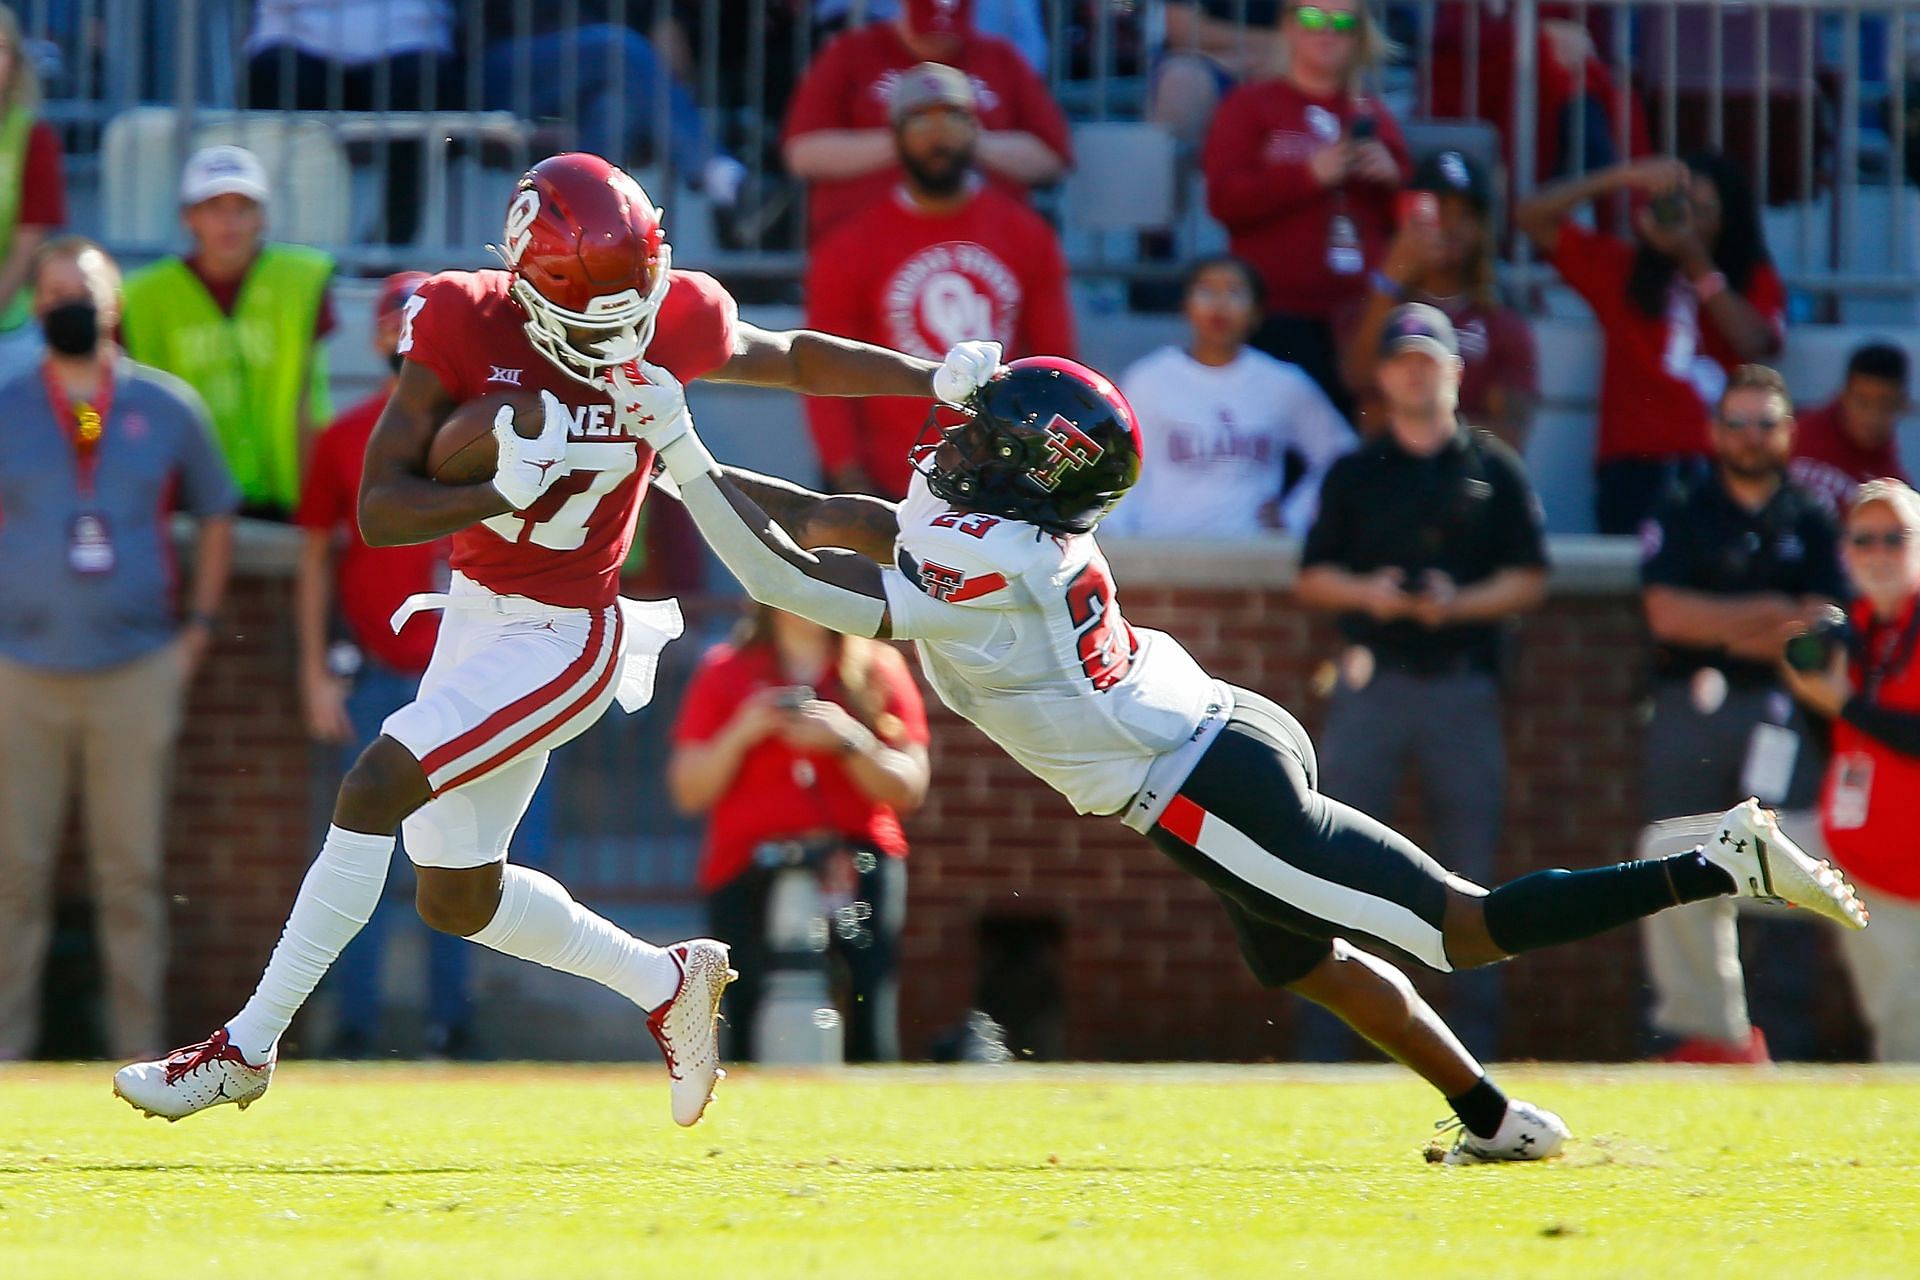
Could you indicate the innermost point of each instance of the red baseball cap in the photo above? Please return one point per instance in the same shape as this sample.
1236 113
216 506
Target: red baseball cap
938 17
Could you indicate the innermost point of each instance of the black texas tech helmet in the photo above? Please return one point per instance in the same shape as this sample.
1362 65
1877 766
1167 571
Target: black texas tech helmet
1048 441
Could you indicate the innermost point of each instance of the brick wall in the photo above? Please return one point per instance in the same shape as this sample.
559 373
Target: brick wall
1148 969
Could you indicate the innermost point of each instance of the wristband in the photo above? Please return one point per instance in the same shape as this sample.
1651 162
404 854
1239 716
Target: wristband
1384 283
1710 286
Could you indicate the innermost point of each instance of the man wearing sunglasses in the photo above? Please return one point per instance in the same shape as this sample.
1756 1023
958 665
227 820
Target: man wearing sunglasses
1732 563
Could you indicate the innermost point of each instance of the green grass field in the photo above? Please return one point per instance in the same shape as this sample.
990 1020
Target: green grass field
516 1172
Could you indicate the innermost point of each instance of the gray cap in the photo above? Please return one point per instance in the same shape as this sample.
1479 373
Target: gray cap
1419 327
220 171
931 84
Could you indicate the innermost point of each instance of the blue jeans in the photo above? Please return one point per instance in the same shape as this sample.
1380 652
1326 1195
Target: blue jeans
379 691
612 100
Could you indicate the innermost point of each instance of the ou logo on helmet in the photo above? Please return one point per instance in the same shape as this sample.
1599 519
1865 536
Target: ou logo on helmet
519 231
953 310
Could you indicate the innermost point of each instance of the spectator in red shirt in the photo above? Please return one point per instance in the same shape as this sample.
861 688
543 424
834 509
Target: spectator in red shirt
33 193
793 734
944 258
1693 296
1444 256
1302 170
1842 445
839 136
349 689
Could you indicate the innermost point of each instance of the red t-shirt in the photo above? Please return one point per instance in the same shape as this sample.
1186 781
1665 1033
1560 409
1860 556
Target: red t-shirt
370 582
567 548
1660 375
1866 805
848 87
1829 465
226 296
43 184
780 793
1277 215
920 282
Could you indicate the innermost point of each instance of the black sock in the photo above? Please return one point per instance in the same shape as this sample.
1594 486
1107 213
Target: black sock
1481 1108
1551 907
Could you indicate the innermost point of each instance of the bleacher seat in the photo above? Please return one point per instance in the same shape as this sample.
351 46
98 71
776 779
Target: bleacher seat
1123 177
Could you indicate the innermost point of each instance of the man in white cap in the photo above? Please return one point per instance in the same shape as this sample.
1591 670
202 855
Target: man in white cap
241 321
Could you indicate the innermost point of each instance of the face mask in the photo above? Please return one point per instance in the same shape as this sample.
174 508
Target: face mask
72 328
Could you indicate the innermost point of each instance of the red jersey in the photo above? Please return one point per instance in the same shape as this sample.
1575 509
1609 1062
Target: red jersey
1661 375
920 282
567 548
780 793
848 87
370 582
1311 244
1829 465
1866 805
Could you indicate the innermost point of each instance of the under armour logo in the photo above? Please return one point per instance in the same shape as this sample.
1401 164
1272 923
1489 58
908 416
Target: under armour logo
1068 449
1526 1140
509 376
1739 846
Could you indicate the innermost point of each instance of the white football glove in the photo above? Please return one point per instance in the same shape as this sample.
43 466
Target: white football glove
968 367
527 468
654 410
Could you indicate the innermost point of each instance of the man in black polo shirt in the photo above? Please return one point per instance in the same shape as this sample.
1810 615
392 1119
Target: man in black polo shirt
1428 545
1732 562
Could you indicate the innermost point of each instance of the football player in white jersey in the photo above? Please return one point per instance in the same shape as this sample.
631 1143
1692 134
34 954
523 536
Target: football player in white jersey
990 566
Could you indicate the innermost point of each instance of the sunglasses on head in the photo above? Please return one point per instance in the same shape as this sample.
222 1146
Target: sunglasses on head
1891 539
1313 18
1752 424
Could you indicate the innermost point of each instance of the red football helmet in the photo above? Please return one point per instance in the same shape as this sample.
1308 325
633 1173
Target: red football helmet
589 262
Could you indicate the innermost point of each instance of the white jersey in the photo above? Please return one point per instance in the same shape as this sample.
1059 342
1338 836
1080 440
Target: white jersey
1020 631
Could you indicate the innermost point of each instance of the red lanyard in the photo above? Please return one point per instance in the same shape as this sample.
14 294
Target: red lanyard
84 425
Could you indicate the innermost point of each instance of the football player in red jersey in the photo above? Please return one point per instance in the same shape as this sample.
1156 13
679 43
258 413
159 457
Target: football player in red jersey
536 641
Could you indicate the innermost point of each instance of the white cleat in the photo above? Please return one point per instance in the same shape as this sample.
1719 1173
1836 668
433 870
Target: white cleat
194 1078
1526 1133
685 1028
1765 864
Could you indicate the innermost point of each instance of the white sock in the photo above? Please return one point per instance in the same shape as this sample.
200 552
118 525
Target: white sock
341 890
538 920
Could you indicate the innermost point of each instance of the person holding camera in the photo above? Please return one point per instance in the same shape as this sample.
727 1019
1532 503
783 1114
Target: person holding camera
804 746
1858 671
1428 545
1732 561
1691 297
1301 170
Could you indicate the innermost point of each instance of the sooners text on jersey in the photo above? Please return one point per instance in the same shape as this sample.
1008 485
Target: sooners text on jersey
567 548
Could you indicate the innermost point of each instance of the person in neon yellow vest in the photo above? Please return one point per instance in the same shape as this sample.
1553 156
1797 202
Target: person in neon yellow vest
241 321
33 194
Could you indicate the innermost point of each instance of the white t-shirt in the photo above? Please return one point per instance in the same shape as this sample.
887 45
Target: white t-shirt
1217 440
353 32
1020 631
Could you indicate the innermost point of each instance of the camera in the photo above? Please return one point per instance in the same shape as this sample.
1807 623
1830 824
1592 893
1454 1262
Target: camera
1813 650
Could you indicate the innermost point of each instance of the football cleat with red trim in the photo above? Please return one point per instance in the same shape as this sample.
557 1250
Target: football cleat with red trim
193 1078
685 1026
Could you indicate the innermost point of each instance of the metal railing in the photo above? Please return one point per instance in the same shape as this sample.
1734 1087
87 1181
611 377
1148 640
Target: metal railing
1810 96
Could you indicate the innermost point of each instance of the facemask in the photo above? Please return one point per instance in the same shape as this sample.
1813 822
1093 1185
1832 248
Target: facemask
72 328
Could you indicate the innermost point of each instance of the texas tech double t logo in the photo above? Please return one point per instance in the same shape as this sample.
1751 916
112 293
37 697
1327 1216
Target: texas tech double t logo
1068 449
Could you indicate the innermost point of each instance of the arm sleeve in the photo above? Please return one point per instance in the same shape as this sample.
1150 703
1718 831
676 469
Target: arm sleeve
1242 185
206 487
1899 730
1330 536
1520 537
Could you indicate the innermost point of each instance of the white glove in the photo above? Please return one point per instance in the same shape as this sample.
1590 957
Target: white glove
654 410
968 367
527 468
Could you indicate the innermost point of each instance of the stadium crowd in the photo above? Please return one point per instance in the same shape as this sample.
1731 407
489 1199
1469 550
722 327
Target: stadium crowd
1780 549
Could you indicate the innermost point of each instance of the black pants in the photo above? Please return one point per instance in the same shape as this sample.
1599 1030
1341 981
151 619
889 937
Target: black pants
737 915
283 77
1308 343
1293 868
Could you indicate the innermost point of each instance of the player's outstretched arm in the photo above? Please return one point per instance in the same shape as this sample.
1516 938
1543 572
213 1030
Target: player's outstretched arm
826 364
855 521
398 503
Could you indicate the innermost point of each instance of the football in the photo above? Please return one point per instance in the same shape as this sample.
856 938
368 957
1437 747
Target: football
463 450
